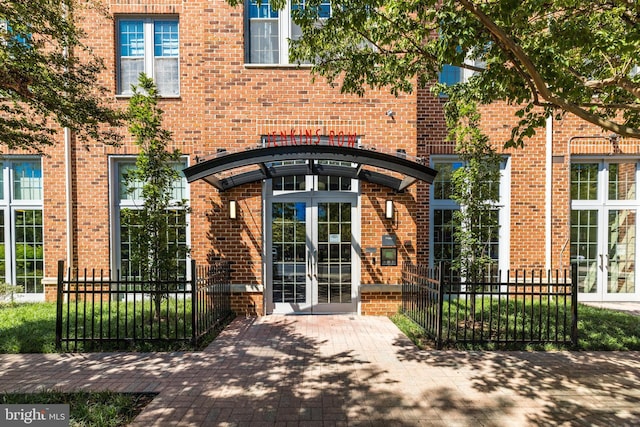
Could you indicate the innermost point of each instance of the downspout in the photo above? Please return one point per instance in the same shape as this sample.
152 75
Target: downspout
68 172
549 194
68 194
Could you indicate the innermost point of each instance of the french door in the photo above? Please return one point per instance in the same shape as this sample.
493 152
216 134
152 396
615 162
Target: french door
604 210
312 261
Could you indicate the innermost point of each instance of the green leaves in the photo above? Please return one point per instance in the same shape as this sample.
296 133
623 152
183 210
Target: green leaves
153 249
559 56
44 83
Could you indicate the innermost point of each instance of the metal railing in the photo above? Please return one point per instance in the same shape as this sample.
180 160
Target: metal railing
525 307
95 311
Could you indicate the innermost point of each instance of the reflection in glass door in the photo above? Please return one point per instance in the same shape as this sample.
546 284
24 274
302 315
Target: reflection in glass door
312 256
603 229
334 259
290 255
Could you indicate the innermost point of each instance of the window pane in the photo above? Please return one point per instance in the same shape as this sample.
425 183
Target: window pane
442 183
27 180
131 39
584 248
261 11
3 267
584 181
166 76
444 246
166 39
264 42
622 181
135 187
29 248
176 240
450 75
129 190
130 70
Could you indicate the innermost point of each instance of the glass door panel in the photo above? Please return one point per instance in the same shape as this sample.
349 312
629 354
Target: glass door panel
289 254
622 181
604 206
584 248
312 255
621 252
334 253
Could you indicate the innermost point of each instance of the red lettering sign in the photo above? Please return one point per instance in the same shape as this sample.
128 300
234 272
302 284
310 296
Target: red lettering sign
303 136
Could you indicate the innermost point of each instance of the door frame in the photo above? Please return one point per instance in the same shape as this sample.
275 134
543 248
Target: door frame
312 198
603 206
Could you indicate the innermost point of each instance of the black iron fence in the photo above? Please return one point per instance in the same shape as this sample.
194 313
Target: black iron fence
95 311
524 307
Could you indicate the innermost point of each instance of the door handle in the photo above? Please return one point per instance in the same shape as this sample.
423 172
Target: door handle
601 263
309 264
315 264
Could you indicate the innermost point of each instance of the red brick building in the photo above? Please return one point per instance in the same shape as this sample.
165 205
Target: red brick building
316 196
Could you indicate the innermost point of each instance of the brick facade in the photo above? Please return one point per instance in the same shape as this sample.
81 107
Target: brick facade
225 104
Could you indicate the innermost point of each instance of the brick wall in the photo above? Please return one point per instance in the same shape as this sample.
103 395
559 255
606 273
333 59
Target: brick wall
224 104
380 300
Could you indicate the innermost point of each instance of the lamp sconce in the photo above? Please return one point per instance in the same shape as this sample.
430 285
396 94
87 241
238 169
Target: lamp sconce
388 209
233 209
391 114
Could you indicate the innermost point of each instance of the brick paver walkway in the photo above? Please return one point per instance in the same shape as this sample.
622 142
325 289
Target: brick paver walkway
347 370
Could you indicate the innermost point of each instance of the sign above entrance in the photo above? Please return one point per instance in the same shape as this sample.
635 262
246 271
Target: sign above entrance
300 136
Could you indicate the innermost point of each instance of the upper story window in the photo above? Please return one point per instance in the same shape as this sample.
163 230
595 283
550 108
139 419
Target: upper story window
450 75
269 31
149 45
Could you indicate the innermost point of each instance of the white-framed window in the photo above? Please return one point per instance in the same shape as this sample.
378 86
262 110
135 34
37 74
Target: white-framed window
122 199
21 224
451 74
269 31
150 45
442 244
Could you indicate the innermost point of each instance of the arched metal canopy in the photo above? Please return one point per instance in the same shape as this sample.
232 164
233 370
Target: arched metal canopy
266 159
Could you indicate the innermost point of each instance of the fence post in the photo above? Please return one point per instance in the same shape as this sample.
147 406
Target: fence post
59 305
194 303
574 304
440 288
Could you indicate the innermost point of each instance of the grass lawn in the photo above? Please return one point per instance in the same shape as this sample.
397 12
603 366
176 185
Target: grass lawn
30 328
97 409
598 329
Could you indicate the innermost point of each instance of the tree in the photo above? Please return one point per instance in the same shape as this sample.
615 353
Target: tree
153 250
475 187
548 57
48 76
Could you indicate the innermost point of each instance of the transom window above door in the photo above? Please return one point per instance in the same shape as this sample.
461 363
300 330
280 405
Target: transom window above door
313 183
269 31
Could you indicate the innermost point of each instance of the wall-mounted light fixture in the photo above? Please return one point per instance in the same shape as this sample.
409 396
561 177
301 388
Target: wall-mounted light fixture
390 113
233 209
388 209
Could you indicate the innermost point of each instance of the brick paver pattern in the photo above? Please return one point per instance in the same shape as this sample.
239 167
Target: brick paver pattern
346 370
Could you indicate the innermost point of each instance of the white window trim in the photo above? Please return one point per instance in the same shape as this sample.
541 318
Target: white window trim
504 210
10 205
284 35
149 51
115 205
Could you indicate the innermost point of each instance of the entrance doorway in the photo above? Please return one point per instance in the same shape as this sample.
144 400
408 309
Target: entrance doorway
312 257
604 208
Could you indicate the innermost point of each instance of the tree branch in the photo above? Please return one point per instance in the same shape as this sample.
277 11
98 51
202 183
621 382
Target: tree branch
538 81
